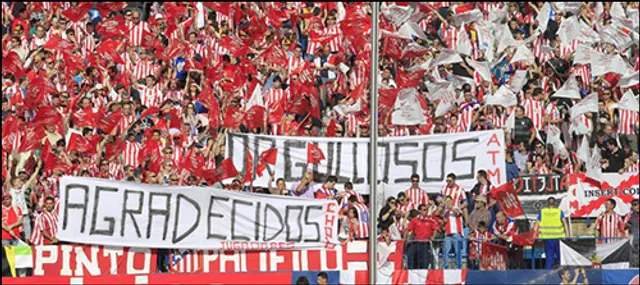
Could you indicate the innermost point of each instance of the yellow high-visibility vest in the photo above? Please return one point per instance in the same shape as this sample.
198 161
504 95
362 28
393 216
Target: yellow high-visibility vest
551 226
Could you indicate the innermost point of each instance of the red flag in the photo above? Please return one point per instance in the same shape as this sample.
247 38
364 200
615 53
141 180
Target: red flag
525 239
225 170
331 128
494 256
73 63
105 8
234 47
112 27
248 167
408 79
151 150
47 157
392 47
114 148
107 50
507 200
387 97
149 111
254 117
299 105
233 118
276 113
149 40
13 64
192 163
459 9
75 14
357 93
314 154
85 118
267 156
174 11
275 55
58 43
276 17
78 143
108 122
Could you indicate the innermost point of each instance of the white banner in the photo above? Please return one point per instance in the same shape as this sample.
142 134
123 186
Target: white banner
432 157
585 198
105 212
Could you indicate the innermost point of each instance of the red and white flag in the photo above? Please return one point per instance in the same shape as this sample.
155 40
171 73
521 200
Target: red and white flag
314 154
268 156
508 200
248 167
494 256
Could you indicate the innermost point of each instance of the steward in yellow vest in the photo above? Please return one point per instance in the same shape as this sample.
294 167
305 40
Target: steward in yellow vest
552 226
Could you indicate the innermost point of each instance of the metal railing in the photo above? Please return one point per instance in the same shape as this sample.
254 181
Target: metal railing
430 254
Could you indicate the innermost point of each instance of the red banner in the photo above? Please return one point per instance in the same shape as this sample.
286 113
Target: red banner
352 256
222 278
81 260
508 200
494 257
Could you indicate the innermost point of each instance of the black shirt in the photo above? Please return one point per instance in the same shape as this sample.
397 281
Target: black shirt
522 130
616 160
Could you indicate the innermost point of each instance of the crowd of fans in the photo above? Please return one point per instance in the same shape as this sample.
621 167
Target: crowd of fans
138 91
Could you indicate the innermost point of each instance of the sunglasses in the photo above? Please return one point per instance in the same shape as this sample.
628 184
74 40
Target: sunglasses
449 181
174 180
415 181
423 209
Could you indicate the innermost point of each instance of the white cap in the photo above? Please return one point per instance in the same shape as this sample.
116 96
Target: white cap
99 86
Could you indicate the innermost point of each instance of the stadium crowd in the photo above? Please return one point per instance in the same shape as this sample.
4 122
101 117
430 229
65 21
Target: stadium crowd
147 92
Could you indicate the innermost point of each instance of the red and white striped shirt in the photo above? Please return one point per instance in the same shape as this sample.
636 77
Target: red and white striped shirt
537 49
552 111
116 172
417 195
569 165
534 109
455 129
136 32
584 72
457 194
349 193
274 96
408 206
450 36
454 221
362 231
45 222
627 121
475 247
131 155
150 96
632 168
610 225
466 114
143 69
507 229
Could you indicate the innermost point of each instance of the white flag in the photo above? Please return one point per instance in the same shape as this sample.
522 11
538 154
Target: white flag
569 89
503 97
629 80
588 104
613 34
553 138
341 11
413 47
617 12
587 34
523 54
497 15
584 54
468 17
343 109
437 90
594 169
447 56
484 31
464 44
407 109
628 102
604 63
572 7
543 17
423 66
583 150
518 80
569 30
482 68
504 37
410 29
598 10
511 121
447 101
459 81
578 126
397 14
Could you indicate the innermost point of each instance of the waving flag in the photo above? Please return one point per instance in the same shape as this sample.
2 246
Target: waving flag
508 200
314 154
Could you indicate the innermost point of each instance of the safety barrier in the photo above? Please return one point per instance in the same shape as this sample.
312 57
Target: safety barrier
396 277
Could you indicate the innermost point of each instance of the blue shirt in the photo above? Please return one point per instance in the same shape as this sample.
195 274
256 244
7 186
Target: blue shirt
512 171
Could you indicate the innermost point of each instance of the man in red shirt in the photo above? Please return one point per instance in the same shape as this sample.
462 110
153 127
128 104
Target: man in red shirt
46 225
11 221
424 230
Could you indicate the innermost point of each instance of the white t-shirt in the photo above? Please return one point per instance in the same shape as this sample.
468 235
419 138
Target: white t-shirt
18 196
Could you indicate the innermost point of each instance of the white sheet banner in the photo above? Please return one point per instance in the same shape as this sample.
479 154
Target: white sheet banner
432 157
105 212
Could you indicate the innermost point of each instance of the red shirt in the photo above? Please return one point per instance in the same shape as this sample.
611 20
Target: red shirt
422 228
10 216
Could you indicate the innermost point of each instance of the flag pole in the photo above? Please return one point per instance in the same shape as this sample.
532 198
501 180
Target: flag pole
373 143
